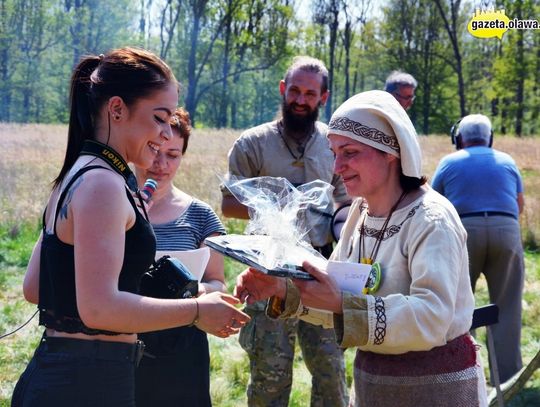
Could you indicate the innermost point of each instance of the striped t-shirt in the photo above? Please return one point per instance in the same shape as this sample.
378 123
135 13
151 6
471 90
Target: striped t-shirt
189 230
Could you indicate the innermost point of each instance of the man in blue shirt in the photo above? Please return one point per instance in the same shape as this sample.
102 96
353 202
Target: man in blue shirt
486 189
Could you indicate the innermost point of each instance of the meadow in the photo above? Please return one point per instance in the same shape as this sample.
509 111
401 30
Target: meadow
30 157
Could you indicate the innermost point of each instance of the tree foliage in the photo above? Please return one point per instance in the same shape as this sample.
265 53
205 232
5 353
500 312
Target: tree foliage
229 55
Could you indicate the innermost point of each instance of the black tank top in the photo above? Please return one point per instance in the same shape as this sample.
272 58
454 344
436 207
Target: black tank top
57 301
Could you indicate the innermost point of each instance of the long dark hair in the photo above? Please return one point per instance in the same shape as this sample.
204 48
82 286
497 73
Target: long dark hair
130 73
411 183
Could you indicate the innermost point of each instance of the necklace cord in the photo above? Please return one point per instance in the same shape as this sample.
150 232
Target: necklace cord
280 130
380 234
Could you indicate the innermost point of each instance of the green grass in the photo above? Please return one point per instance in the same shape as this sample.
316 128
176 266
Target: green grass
16 349
229 363
16 244
530 333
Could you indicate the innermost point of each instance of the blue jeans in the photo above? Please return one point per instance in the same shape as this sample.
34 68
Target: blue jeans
77 372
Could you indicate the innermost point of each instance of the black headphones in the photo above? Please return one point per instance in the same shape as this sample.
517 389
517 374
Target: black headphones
456 137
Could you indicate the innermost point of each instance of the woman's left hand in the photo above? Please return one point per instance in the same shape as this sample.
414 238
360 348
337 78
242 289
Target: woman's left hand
322 292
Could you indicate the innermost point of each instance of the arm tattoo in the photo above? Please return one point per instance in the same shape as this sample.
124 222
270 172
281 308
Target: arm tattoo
64 210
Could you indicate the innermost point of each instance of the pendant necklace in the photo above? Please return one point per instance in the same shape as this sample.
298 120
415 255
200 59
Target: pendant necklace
375 275
298 161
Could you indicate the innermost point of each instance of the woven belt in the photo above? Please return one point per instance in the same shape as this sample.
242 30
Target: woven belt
485 214
102 350
457 355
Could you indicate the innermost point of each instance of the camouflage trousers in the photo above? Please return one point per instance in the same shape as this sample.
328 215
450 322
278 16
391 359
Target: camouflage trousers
270 346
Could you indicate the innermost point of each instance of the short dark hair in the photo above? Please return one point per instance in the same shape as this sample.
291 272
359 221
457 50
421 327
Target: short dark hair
181 123
309 64
130 73
397 79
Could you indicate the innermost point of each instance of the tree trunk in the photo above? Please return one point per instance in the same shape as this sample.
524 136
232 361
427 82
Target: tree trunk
222 118
167 27
142 23
76 28
504 114
334 25
191 102
5 88
521 71
461 83
452 30
347 39
426 88
535 111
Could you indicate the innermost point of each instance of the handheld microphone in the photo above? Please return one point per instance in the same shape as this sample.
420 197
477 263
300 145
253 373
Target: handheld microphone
148 189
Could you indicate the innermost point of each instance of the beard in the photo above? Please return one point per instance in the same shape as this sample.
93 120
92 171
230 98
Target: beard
298 123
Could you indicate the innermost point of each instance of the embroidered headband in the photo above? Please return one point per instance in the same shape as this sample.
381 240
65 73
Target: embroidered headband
375 118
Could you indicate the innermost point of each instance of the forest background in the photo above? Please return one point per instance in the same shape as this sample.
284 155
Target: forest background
229 55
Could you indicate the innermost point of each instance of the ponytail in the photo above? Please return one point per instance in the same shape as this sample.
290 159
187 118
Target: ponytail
82 113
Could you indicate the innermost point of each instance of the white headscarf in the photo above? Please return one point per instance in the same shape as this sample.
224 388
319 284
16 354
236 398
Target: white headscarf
377 119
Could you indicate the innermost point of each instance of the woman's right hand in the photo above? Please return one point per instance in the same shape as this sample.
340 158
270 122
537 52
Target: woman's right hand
218 315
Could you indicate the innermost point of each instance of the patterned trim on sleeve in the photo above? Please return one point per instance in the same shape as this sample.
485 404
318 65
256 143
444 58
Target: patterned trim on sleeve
380 325
374 135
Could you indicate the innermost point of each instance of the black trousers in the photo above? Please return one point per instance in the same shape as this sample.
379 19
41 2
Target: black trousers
175 369
77 372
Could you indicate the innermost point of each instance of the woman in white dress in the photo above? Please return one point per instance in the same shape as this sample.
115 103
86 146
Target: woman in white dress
410 325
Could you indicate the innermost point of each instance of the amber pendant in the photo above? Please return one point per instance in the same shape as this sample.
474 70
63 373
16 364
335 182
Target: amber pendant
298 163
366 260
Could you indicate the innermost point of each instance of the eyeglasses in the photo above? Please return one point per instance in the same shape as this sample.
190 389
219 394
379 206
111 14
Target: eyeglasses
405 98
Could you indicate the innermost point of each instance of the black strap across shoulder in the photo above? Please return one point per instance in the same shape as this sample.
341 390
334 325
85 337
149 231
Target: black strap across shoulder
117 163
66 190
70 184
115 160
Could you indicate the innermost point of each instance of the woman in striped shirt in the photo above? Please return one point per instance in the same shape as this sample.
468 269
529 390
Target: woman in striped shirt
175 369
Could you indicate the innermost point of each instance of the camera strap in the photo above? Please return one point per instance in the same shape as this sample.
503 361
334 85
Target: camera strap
117 163
115 160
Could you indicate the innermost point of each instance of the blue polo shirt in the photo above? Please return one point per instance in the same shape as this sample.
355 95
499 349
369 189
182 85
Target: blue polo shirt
479 178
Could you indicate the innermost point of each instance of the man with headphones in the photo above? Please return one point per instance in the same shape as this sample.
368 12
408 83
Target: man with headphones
486 188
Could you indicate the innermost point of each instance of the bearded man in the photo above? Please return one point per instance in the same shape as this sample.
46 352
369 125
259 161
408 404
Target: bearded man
296 148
